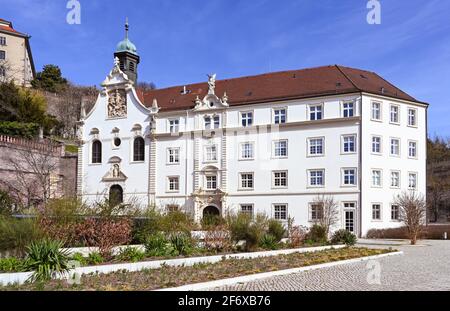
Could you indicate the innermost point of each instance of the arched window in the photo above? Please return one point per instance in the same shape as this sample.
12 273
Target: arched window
96 152
139 149
115 195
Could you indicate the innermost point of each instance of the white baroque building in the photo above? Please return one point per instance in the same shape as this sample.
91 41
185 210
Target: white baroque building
269 143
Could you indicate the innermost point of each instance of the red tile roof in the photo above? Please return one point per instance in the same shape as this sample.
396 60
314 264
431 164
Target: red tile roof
9 28
284 85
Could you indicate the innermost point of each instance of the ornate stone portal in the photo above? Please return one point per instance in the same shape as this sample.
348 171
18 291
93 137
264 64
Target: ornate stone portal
117 103
204 198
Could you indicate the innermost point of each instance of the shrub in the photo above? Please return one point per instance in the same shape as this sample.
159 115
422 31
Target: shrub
242 227
392 233
6 204
218 239
297 236
181 242
16 234
46 259
11 264
25 130
80 258
131 254
343 236
95 258
209 221
156 245
276 229
177 221
149 223
317 234
268 241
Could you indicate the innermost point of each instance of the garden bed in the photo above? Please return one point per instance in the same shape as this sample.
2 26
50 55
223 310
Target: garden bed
172 276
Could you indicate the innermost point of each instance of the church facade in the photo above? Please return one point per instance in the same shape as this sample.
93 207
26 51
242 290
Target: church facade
269 143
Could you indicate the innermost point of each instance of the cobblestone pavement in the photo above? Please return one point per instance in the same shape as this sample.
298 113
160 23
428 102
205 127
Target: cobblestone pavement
422 267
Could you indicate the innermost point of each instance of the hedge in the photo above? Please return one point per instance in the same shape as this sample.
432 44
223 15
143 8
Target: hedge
26 130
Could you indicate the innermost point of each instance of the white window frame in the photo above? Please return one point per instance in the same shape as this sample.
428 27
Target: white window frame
169 183
391 139
175 155
173 128
398 212
347 109
241 151
207 182
372 145
355 170
392 179
207 154
274 115
280 178
3 41
274 143
286 211
207 122
343 137
216 122
380 211
241 180
379 178
308 145
398 114
415 149
310 178
409 116
315 112
246 113
416 180
380 111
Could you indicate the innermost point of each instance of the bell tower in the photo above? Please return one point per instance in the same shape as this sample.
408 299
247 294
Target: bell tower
128 57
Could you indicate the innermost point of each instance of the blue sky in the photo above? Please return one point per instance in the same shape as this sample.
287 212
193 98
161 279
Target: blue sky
181 41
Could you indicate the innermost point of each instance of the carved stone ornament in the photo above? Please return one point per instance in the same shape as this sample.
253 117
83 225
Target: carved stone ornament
117 103
115 174
211 100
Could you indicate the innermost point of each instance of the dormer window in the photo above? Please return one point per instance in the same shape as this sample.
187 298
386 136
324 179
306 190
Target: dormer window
216 122
174 125
207 123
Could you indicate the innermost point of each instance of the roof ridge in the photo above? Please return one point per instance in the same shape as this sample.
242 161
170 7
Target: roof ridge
347 77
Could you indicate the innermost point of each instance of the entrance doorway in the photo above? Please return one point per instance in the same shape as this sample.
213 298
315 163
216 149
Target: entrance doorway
350 220
115 195
211 211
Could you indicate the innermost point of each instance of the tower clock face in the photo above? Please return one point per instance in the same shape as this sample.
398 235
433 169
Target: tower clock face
117 104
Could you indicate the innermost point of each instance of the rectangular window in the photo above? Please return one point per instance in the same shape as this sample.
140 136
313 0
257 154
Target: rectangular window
280 148
246 180
315 146
247 209
316 178
395 179
348 109
412 149
279 116
207 123
170 208
246 118
173 155
395 114
2 55
412 180
247 151
174 125
315 212
2 71
280 211
211 182
395 212
395 146
376 111
376 211
315 112
174 183
211 153
216 122
2 40
412 117
376 144
349 176
280 179
376 178
349 143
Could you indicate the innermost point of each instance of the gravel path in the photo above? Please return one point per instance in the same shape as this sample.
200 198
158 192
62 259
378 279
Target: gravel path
422 267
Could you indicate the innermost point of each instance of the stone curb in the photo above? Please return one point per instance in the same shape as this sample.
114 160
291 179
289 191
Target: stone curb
259 276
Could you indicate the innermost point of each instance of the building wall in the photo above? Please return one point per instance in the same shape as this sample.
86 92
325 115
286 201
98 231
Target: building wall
18 64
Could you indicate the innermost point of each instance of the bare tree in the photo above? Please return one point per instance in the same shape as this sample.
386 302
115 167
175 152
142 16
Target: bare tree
412 212
7 72
328 211
436 193
35 172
